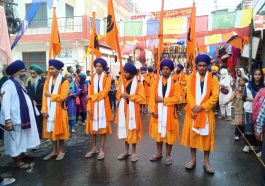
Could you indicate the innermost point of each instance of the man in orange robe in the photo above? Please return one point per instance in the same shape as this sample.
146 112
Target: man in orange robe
128 116
180 78
54 111
199 124
141 78
98 108
164 127
148 81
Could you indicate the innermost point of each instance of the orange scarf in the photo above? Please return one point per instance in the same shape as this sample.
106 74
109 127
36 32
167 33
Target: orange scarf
200 121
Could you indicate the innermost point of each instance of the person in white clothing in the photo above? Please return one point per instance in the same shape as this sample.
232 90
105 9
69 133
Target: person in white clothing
225 94
18 115
239 74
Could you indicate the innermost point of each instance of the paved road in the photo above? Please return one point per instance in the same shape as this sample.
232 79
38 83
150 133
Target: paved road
233 167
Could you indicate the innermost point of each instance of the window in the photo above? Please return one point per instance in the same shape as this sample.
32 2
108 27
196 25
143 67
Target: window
69 13
38 58
41 19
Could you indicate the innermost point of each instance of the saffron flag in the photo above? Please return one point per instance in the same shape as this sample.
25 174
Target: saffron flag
94 44
160 37
112 38
112 31
55 44
191 43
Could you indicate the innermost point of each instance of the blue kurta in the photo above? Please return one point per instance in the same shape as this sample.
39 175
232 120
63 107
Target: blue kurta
71 104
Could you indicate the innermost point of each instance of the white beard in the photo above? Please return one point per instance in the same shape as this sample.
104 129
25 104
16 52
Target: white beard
20 81
34 81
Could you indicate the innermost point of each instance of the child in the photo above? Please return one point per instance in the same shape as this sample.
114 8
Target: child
112 95
238 107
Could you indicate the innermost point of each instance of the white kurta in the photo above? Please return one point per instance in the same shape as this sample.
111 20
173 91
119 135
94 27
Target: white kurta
223 98
23 138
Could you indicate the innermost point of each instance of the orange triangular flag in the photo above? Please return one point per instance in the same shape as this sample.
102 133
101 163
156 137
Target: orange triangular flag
112 38
236 42
94 44
55 44
191 45
112 31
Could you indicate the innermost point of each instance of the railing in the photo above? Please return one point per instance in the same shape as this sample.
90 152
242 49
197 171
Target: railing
65 25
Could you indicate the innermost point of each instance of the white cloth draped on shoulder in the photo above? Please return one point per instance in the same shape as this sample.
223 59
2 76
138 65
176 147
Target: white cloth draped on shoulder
99 119
52 104
199 97
162 109
122 131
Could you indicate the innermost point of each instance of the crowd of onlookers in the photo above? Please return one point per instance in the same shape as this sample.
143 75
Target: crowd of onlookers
245 94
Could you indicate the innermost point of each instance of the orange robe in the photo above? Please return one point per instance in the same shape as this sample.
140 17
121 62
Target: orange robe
139 77
61 126
189 137
133 136
181 79
148 81
172 134
90 106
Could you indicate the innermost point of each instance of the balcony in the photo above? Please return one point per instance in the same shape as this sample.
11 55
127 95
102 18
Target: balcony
65 25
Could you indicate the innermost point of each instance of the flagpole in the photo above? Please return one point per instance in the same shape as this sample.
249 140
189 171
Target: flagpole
92 43
160 37
120 59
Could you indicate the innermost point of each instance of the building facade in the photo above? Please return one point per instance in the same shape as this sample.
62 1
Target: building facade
74 23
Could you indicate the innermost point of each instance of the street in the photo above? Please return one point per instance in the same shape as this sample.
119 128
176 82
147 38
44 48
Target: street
232 166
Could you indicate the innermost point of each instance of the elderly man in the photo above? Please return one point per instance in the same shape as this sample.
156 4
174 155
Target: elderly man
35 88
54 111
18 115
199 124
